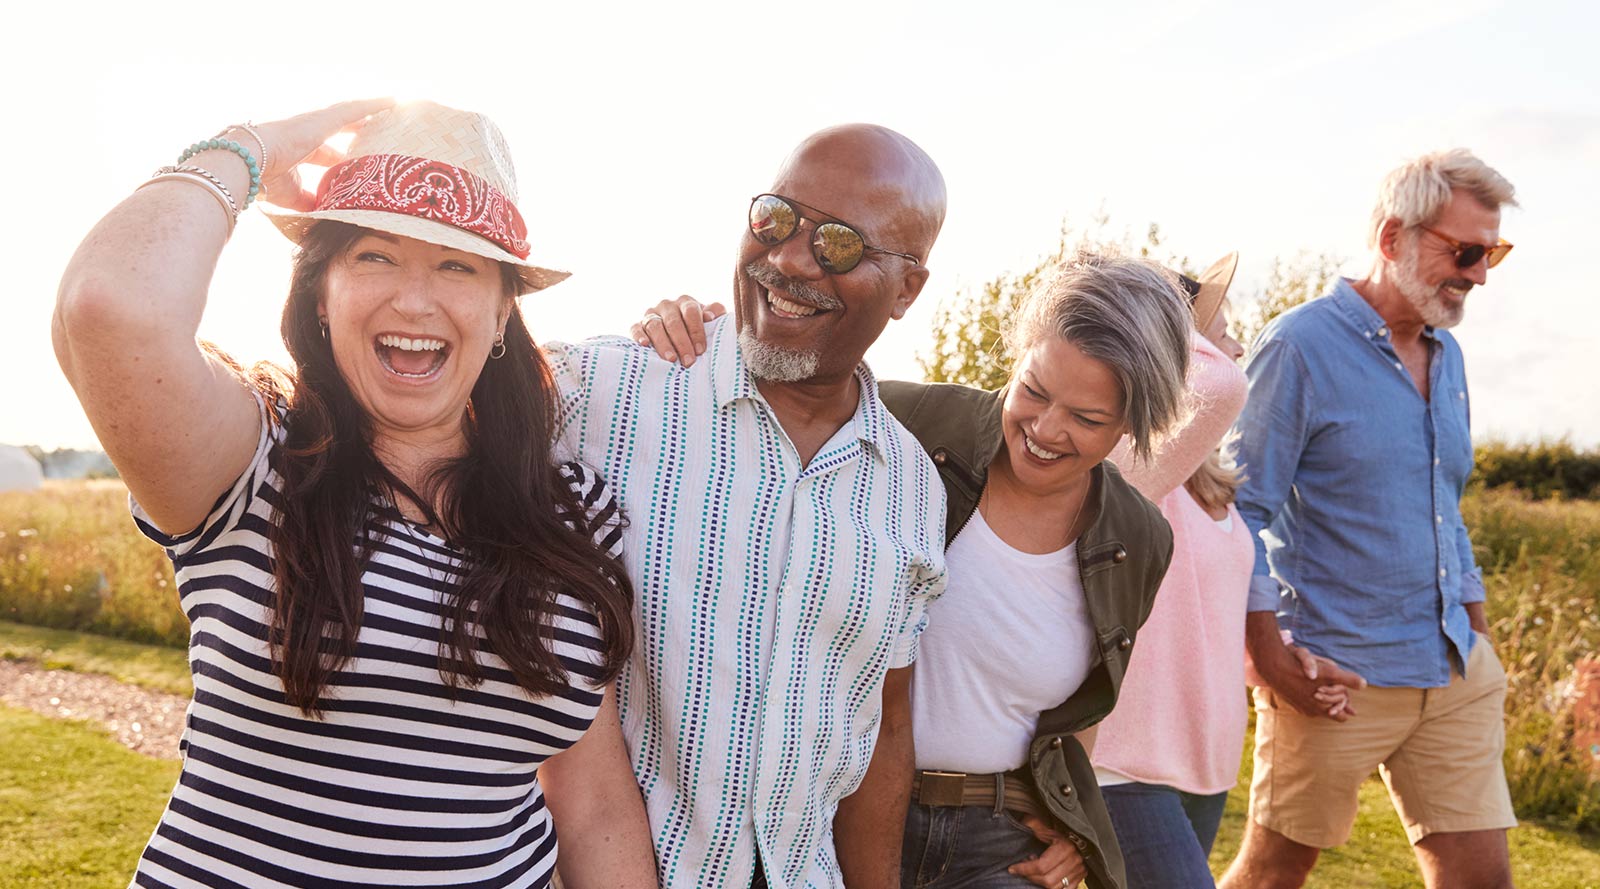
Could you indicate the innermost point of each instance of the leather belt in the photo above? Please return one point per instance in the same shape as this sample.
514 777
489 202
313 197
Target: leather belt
1001 790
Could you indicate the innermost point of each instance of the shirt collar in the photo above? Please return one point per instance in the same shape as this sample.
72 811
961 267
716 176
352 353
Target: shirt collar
1362 315
732 382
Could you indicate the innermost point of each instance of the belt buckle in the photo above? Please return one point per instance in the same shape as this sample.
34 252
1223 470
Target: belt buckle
941 788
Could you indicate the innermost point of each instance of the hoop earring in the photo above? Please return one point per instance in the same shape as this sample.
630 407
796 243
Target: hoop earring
498 350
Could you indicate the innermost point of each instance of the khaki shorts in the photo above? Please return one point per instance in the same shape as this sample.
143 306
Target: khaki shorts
1438 749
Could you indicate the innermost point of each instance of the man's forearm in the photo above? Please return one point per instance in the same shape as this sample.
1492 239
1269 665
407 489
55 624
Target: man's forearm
868 828
1263 640
1477 618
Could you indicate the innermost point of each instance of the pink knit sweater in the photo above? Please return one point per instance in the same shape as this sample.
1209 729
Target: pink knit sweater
1180 719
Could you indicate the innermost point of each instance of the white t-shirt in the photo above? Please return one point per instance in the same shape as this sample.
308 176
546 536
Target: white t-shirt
1010 639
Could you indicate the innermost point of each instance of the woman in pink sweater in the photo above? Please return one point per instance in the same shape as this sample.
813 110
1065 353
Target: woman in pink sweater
1168 754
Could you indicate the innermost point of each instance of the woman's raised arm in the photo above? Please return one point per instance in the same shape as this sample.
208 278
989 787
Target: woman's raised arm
1216 393
179 424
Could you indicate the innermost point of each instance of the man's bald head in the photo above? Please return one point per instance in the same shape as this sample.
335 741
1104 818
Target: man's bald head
886 169
803 324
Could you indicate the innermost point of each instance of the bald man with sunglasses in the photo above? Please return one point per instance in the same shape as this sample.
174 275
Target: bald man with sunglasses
785 535
1355 443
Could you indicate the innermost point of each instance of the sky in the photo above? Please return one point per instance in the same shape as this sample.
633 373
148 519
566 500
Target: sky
640 131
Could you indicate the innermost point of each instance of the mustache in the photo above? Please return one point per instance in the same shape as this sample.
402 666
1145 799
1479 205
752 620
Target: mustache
772 279
1458 283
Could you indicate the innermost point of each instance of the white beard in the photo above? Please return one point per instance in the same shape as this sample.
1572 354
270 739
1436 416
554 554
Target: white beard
774 364
1426 300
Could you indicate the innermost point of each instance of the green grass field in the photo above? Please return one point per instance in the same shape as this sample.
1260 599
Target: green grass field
1542 856
75 806
156 667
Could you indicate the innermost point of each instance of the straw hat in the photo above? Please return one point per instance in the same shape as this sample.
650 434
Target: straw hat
432 173
1213 287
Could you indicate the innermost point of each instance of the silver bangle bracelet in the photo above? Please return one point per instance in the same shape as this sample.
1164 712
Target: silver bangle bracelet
209 177
224 201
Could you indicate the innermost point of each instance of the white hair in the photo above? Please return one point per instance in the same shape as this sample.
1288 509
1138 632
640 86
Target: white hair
1417 191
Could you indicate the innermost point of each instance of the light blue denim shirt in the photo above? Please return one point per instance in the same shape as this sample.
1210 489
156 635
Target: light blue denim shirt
1352 492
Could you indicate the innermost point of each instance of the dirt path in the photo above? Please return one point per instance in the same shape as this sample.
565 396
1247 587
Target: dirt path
145 721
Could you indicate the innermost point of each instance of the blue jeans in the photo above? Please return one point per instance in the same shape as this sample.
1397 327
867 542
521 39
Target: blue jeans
966 847
1165 834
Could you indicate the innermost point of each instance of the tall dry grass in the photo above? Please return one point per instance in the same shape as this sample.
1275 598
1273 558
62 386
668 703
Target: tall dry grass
1541 565
70 557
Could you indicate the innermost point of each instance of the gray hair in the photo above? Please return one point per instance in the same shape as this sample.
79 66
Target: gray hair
1417 191
1130 314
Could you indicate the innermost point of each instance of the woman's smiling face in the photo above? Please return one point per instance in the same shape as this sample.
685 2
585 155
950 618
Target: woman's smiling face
1063 414
411 324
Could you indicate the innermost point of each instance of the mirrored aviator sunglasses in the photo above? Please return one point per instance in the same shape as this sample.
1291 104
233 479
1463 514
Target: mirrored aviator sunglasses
836 246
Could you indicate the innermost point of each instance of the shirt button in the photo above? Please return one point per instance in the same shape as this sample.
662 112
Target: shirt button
1436 461
1383 331
1120 556
1399 366
1441 572
1055 743
1461 395
1438 520
939 456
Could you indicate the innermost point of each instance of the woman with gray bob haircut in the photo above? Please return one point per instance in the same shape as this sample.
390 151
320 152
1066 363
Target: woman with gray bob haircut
1053 559
1102 303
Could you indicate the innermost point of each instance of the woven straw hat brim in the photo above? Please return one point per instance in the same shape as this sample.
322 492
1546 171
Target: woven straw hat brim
295 224
1214 283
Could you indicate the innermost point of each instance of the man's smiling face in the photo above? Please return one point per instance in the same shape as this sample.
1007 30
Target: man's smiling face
798 322
1425 270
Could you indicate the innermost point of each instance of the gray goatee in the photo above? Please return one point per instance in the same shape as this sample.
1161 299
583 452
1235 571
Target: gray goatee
775 363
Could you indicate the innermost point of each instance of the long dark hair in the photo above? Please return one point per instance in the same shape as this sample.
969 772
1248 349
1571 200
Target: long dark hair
504 504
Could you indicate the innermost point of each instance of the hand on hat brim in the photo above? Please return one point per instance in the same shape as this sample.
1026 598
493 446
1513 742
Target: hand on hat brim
303 139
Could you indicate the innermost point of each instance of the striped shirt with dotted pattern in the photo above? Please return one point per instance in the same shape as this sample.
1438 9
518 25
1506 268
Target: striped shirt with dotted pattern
397 784
771 599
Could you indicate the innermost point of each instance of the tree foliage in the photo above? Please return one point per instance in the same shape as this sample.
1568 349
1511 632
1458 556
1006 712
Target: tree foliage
968 346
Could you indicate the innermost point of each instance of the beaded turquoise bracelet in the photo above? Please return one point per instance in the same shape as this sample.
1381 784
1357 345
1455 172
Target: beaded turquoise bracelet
229 145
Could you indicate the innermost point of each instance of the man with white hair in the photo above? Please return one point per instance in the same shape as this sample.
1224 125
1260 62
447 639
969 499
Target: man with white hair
1356 447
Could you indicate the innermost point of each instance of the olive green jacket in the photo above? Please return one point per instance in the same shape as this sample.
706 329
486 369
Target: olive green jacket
1122 556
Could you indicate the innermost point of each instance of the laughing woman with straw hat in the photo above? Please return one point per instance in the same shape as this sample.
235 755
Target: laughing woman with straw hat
405 614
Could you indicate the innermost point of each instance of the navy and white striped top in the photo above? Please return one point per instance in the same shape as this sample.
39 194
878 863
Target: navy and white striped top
397 784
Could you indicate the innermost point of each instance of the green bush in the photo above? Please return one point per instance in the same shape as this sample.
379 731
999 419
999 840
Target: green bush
1543 469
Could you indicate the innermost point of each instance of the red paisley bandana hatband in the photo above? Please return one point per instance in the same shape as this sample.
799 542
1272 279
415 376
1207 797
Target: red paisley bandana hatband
426 189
